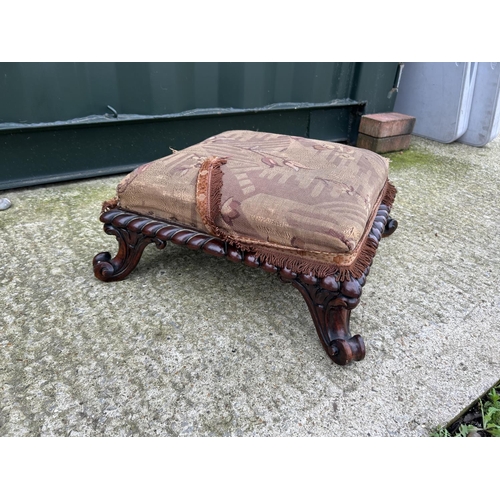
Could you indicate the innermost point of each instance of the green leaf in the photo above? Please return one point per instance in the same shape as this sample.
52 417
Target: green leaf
492 416
494 397
440 432
464 430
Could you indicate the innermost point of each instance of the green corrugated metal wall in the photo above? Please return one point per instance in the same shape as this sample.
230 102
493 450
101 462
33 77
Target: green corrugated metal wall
61 121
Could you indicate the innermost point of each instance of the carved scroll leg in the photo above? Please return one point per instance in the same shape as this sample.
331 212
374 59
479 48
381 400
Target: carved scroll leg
331 311
131 246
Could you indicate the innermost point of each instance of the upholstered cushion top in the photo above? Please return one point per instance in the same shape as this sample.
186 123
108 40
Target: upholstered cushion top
310 198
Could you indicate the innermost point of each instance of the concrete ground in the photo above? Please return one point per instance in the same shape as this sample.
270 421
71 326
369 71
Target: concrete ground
190 345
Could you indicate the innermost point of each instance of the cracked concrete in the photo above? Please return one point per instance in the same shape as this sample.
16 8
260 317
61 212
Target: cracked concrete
190 345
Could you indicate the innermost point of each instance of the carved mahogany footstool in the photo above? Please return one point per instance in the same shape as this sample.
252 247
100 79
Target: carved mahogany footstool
312 212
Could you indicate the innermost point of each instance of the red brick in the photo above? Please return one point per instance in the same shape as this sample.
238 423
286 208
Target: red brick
384 144
386 124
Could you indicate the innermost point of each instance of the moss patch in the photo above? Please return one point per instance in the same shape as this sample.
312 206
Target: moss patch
59 200
411 157
418 156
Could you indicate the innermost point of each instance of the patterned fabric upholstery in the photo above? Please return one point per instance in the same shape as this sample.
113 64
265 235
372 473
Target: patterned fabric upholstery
292 199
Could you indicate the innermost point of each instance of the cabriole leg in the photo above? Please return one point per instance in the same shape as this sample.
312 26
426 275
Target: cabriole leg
331 311
133 234
131 246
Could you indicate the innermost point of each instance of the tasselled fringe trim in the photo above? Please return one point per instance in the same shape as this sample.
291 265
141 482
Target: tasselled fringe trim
109 204
209 193
208 200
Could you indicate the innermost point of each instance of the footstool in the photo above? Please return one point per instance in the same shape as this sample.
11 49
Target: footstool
311 211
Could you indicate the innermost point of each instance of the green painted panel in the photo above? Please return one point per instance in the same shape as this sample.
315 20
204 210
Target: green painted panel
58 120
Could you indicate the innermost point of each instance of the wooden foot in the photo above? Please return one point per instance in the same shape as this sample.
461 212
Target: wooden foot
131 245
390 226
330 303
135 232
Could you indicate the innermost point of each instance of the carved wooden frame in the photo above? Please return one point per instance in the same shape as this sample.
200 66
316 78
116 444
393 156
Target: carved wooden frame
330 301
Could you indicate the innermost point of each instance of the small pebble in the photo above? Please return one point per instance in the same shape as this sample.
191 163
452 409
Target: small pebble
5 203
474 434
